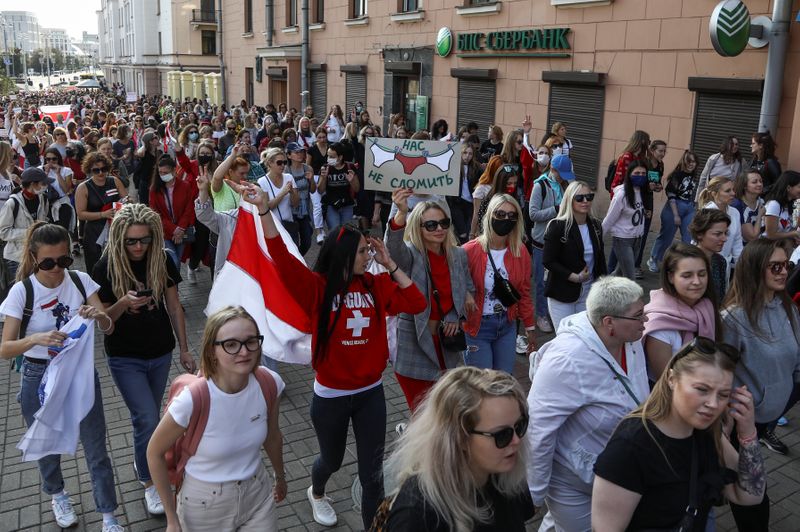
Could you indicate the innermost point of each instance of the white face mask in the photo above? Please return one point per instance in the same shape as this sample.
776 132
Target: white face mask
166 178
42 191
332 161
542 158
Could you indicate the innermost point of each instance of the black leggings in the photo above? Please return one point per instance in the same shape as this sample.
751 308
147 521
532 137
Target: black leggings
200 245
331 417
64 216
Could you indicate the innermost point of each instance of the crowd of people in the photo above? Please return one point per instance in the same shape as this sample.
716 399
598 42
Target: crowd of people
644 412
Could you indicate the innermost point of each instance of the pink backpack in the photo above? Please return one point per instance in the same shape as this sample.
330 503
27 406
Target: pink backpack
186 446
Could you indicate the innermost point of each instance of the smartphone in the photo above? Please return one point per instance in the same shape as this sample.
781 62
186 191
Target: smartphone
144 293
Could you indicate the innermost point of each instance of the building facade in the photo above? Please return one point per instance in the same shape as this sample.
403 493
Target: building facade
142 41
605 68
22 30
56 38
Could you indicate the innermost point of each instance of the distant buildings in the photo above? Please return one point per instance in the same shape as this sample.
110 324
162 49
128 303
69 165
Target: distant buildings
21 30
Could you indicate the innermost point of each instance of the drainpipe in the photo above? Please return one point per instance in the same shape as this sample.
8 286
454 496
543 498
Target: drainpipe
304 57
776 58
221 59
270 5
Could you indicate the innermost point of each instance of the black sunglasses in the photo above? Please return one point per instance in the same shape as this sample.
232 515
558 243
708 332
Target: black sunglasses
53 159
281 162
101 170
233 346
130 242
431 225
65 261
706 346
580 198
505 215
503 437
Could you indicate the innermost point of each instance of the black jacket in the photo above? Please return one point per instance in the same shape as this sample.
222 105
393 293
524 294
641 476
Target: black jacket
563 256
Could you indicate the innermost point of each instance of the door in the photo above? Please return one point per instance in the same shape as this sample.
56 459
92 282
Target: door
277 91
476 101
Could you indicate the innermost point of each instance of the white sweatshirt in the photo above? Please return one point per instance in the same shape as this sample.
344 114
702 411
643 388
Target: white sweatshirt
621 220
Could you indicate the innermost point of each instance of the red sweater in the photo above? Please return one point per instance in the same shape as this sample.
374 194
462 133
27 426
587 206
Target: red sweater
357 349
182 208
191 170
622 167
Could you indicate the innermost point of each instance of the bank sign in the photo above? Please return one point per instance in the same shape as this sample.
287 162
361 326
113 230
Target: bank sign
550 42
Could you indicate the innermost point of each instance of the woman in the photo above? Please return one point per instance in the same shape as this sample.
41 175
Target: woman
546 197
334 126
573 253
173 200
683 308
206 162
668 461
27 143
779 211
118 169
748 188
558 143
762 323
305 135
726 163
498 260
289 135
147 155
133 264
61 210
679 209
635 150
655 173
316 158
189 140
493 145
338 184
710 232
60 141
57 298
94 204
510 155
281 189
439 130
225 485
347 307
625 218
235 169
584 382
396 122
123 148
461 206
763 146
719 195
422 243
505 182
460 464
305 185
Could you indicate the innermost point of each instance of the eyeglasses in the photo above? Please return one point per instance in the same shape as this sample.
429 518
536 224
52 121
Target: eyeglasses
503 437
640 317
777 267
431 225
233 347
505 215
580 198
100 170
282 162
65 261
53 159
706 346
145 240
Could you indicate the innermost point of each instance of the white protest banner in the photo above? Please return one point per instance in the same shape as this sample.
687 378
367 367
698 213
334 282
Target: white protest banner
427 166
131 97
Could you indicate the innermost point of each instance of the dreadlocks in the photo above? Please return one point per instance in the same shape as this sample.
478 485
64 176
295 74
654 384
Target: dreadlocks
119 266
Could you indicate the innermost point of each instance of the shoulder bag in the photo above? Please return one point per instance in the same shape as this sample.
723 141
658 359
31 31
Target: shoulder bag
503 289
457 342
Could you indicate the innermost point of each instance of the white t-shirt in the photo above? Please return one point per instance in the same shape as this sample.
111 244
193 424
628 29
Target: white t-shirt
52 307
773 208
6 185
65 173
284 207
490 299
230 448
588 250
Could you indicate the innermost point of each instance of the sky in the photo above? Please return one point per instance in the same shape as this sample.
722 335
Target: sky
75 16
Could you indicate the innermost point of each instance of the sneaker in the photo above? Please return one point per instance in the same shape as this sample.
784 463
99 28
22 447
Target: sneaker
76 249
191 275
320 238
772 443
543 324
651 265
638 274
113 526
153 501
782 422
324 513
522 345
400 428
63 511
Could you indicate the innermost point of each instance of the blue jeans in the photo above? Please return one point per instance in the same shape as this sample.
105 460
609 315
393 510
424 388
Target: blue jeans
175 251
92 436
336 217
141 384
668 228
538 279
495 344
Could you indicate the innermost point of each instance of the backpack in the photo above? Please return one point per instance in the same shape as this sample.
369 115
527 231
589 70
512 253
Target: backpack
185 446
612 171
27 312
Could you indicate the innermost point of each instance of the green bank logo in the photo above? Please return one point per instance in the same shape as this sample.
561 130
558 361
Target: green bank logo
444 42
730 27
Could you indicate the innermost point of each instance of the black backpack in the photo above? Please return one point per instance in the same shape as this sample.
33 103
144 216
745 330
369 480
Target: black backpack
612 171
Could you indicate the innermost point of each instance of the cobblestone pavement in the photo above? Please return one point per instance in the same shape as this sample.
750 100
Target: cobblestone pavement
24 507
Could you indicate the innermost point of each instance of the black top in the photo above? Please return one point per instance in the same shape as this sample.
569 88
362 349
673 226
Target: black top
488 149
564 255
318 159
337 191
31 151
770 170
680 185
97 198
633 461
146 334
411 513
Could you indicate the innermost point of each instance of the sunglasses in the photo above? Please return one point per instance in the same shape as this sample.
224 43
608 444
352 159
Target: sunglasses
65 261
505 215
100 170
281 162
503 437
51 159
510 168
145 240
431 225
777 267
233 346
580 198
706 346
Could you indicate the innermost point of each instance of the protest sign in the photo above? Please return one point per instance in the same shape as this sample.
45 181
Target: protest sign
131 97
427 166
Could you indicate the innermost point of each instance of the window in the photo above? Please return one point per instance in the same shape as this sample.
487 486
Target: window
407 6
317 11
479 2
291 13
355 88
248 16
476 103
209 42
319 92
159 43
358 8
248 83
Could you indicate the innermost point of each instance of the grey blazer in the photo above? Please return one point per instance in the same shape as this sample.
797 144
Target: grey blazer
416 355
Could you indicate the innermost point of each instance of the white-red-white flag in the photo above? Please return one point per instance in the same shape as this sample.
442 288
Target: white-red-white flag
54 111
249 278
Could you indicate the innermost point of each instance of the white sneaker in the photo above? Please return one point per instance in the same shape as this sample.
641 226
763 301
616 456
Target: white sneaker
191 275
651 265
113 526
400 428
324 513
63 511
320 238
153 501
522 344
543 324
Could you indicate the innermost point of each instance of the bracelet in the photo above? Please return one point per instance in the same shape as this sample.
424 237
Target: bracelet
396 267
749 439
263 213
110 324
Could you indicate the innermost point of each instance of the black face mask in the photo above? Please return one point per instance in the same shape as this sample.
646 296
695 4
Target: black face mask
503 227
204 159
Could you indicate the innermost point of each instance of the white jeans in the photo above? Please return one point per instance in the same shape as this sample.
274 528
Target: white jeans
569 501
559 310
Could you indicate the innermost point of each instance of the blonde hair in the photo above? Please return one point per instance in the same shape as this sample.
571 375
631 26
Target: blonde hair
712 189
270 153
119 265
515 236
6 157
435 446
208 358
565 211
413 232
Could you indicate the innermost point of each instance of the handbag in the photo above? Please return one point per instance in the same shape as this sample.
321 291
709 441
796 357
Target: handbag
503 289
457 342
52 194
